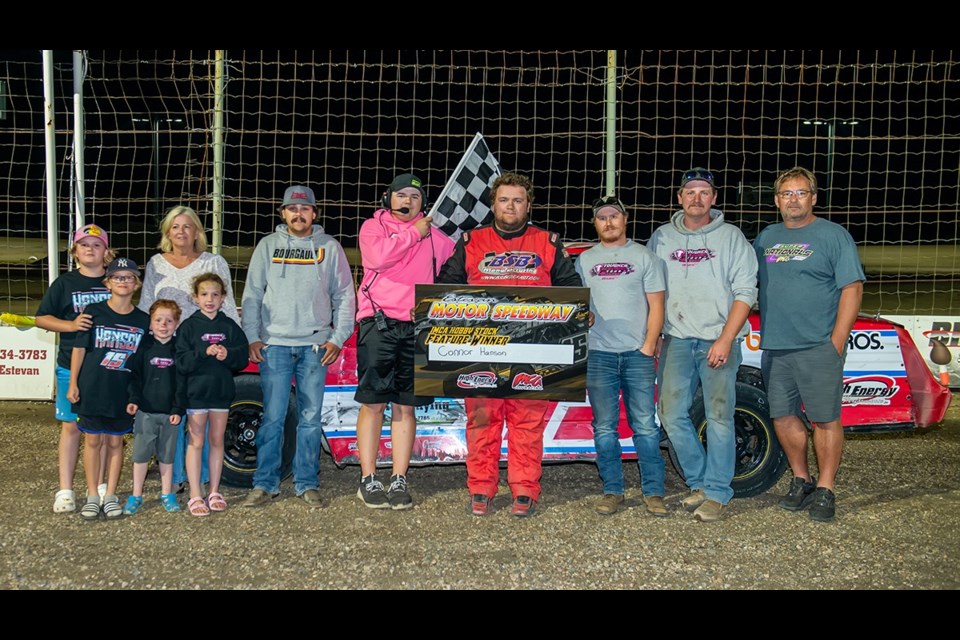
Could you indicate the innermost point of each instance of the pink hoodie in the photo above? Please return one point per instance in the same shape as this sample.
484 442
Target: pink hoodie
395 259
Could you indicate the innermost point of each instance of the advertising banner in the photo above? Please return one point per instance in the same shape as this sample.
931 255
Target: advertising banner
501 342
28 358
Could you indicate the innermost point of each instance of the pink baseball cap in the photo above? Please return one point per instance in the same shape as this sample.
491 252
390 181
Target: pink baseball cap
91 231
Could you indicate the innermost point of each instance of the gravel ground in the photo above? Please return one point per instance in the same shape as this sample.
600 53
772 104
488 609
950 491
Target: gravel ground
898 515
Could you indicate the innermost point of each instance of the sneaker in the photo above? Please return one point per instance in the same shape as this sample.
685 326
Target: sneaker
708 511
91 510
656 506
397 494
133 505
312 498
609 504
694 500
111 507
800 494
524 507
824 505
258 498
372 493
480 505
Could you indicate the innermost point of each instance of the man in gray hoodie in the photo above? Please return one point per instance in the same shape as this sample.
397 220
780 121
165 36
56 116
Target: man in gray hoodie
298 310
711 278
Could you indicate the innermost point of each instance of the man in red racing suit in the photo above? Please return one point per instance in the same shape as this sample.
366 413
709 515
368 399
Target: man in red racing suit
478 260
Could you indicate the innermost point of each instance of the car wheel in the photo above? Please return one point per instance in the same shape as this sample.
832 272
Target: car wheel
240 438
760 459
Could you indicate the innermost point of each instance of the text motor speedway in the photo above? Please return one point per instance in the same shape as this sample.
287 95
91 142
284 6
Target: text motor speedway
501 342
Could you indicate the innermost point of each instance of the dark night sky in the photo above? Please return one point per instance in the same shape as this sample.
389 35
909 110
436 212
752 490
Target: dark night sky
738 112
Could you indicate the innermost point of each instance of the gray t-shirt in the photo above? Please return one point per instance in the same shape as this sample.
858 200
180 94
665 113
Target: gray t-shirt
801 273
620 279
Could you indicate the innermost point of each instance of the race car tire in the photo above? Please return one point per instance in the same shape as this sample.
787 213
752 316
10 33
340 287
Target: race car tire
240 438
760 459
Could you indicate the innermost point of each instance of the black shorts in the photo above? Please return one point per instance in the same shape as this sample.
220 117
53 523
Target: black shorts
385 364
104 425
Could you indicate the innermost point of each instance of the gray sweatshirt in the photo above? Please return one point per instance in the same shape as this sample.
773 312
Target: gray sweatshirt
706 270
299 291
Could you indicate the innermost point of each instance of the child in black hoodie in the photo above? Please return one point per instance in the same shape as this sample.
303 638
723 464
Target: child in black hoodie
210 348
157 403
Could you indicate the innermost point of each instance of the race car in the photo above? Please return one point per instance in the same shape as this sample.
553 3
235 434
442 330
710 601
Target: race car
887 386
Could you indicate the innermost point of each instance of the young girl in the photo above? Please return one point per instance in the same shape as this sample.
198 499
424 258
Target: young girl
157 403
62 311
99 379
210 347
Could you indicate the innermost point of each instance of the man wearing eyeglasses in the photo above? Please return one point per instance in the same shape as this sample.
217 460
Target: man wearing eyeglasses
298 308
626 302
811 287
511 197
711 273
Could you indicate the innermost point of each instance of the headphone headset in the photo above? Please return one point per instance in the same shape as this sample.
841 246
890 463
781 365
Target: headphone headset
388 194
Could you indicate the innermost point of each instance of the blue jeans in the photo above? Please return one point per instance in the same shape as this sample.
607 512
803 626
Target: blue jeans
633 374
280 365
684 367
180 455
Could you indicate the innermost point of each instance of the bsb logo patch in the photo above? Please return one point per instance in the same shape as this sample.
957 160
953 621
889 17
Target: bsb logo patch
511 262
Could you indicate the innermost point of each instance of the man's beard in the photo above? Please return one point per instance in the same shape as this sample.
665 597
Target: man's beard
510 227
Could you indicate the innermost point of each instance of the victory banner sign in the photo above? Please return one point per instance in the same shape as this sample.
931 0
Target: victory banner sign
501 342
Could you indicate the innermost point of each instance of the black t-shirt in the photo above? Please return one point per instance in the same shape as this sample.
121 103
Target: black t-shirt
67 298
105 374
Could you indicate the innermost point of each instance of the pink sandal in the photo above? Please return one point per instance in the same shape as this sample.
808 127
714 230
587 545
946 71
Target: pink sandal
216 502
198 507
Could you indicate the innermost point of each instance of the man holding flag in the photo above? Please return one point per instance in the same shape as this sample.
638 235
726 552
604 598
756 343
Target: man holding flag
511 197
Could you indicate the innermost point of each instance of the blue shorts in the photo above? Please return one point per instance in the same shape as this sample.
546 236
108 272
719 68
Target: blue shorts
64 408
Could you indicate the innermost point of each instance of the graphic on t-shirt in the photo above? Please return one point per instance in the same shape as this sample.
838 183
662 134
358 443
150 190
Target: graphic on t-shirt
612 270
785 252
214 338
81 299
297 256
161 363
691 257
510 263
119 343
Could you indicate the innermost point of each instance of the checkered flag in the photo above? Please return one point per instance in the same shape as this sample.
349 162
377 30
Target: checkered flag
464 202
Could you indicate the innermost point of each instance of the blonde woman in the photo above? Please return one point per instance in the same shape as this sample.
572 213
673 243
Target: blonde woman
170 274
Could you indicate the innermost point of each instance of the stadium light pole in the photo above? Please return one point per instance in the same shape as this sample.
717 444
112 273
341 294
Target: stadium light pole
831 143
155 123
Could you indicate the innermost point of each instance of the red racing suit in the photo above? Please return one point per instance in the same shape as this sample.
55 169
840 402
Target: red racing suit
472 263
